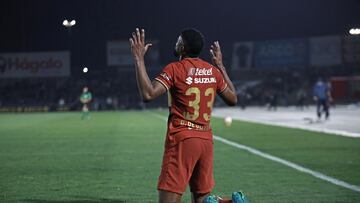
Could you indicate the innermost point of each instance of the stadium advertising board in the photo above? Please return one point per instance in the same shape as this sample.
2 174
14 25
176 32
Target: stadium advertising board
119 54
35 64
292 53
242 55
325 51
351 49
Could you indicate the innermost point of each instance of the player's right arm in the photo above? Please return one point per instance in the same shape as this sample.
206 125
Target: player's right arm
148 90
229 94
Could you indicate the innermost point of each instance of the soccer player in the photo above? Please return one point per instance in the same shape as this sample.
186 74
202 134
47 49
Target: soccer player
85 99
322 96
191 84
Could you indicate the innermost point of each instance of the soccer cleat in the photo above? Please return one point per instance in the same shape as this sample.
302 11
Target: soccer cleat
239 197
211 199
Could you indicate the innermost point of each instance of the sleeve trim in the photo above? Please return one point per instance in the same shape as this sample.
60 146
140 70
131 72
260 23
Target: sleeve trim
159 80
226 85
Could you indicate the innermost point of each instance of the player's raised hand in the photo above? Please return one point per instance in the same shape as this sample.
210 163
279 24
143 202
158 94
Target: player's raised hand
138 46
216 55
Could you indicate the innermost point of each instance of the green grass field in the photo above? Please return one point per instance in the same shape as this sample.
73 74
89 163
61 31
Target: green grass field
116 156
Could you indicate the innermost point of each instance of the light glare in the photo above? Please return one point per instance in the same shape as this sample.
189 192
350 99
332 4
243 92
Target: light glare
354 31
65 22
69 24
73 22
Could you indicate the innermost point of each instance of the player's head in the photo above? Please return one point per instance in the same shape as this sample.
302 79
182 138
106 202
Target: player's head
320 80
190 43
85 89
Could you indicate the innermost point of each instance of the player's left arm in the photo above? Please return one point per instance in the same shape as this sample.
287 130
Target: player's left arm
148 90
229 94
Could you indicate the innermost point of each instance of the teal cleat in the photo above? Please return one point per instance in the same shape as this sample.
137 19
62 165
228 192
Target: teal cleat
239 197
211 199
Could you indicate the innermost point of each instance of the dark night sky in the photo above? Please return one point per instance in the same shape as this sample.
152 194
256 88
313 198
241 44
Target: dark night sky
36 25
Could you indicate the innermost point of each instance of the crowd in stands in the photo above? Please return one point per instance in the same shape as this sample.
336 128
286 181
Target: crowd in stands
272 89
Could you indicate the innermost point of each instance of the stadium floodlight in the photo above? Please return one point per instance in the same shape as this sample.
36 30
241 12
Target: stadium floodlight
73 22
354 31
69 24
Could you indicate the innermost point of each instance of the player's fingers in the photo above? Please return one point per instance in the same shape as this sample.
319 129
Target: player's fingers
147 47
218 45
138 35
131 42
134 38
212 49
215 50
212 54
143 36
214 46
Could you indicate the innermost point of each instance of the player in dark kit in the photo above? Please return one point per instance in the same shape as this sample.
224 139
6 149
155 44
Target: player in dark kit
322 96
191 84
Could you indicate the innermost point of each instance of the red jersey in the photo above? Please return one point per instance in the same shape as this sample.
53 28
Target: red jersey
192 85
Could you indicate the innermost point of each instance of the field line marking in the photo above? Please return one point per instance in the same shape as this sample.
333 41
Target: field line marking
289 164
297 126
280 160
308 128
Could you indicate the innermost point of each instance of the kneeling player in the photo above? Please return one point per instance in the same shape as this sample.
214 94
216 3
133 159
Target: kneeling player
192 85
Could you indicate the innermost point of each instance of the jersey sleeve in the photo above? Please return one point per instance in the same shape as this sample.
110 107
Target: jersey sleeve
166 77
221 84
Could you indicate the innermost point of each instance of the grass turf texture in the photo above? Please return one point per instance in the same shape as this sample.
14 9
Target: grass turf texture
116 156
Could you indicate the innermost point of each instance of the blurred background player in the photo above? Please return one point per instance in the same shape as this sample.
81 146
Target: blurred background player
322 97
85 99
192 84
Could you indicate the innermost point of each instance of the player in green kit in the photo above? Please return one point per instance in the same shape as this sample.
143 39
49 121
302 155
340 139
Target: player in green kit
85 99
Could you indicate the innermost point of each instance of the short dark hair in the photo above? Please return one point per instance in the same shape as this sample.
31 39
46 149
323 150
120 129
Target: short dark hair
193 41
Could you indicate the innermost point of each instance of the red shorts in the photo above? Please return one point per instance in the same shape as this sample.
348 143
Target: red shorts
188 162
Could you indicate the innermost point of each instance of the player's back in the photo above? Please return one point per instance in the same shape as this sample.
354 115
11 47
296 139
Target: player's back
320 90
192 84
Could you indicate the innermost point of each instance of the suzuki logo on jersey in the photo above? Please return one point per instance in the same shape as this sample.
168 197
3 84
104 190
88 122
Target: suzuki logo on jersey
203 71
204 80
189 80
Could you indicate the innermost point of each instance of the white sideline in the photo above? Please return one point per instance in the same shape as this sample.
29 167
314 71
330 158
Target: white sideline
295 126
281 161
290 164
